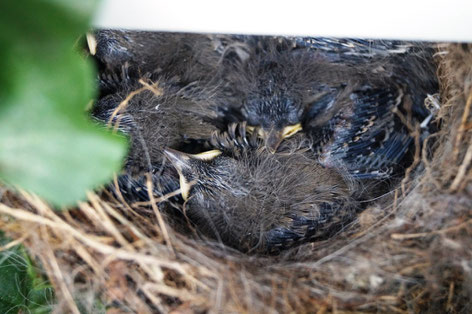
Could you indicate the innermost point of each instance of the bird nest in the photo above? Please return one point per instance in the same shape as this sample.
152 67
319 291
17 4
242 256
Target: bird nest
408 252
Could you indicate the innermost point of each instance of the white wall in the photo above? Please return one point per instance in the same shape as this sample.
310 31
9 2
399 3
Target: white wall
444 20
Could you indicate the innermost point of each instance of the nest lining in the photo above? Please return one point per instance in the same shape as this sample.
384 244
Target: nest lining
410 252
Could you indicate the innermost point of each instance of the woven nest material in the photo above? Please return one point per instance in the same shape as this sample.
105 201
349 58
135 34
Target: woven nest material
410 252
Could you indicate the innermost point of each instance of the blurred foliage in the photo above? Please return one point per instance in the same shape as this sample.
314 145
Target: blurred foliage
48 145
22 288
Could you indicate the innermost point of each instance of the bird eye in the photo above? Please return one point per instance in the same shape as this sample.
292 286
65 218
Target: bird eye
291 130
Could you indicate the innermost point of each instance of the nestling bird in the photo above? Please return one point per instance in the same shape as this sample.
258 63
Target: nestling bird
154 118
267 89
185 58
343 103
346 95
255 201
365 126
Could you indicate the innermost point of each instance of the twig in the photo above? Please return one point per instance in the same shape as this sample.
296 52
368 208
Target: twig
449 306
462 170
60 278
153 88
462 127
123 105
14 242
399 236
159 199
160 220
103 248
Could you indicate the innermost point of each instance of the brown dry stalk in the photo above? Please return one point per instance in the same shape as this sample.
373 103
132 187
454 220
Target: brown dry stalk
416 160
409 269
60 278
449 306
153 88
87 240
90 260
428 176
13 243
122 106
461 173
170 291
462 128
159 199
414 130
400 236
156 211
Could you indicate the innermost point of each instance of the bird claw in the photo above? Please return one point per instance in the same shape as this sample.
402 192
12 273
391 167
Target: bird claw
236 139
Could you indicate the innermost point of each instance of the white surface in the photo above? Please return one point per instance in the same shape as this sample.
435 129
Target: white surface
402 19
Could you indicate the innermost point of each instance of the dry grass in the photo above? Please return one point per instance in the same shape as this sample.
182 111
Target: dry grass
411 252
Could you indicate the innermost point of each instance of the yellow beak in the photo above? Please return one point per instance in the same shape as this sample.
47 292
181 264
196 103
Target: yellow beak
274 137
181 161
92 43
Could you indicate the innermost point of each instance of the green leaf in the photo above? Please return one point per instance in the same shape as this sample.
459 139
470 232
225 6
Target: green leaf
59 159
21 288
47 143
40 297
44 22
13 276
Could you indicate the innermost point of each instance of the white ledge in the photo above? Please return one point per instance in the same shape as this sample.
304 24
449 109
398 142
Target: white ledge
430 20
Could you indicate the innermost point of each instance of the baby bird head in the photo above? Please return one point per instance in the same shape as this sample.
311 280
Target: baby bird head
273 102
276 115
201 173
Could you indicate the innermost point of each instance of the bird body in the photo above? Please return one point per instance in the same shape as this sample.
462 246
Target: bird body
255 201
365 127
190 57
190 60
154 118
332 114
349 106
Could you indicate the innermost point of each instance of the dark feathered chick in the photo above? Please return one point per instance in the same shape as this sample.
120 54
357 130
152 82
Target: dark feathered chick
162 116
269 89
275 85
344 94
154 118
256 201
361 126
187 58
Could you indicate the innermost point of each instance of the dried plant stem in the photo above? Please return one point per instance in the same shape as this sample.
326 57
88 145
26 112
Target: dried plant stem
399 236
153 88
462 170
13 243
60 280
463 126
158 214
103 248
